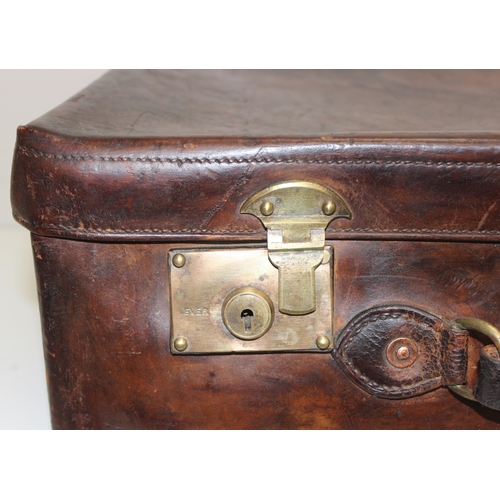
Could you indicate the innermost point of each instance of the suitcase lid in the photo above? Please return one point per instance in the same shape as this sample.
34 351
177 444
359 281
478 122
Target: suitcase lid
174 155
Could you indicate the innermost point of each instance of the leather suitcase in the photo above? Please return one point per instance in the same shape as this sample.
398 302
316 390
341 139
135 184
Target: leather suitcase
268 249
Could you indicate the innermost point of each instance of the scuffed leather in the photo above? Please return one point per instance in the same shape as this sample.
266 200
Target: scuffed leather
105 311
362 352
279 103
141 161
172 156
487 390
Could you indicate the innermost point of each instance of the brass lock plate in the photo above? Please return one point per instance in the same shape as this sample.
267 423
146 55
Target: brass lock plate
225 300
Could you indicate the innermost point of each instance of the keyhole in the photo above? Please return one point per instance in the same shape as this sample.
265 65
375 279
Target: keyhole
247 317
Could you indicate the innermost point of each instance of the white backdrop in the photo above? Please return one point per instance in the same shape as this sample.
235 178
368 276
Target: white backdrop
24 96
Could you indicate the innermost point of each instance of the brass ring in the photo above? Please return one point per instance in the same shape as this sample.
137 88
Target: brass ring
486 329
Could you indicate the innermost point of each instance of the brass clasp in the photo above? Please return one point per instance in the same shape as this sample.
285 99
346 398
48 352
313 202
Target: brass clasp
296 215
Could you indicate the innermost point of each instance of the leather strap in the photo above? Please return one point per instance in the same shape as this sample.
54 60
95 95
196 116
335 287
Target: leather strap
487 390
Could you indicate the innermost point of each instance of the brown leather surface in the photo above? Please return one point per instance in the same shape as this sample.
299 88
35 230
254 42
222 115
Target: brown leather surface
106 334
487 389
435 353
141 161
257 103
172 155
443 189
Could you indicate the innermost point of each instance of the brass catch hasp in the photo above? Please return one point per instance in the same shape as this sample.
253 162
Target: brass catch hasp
296 215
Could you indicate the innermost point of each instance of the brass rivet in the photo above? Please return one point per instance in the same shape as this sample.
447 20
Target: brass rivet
403 353
178 260
180 343
328 207
266 208
323 342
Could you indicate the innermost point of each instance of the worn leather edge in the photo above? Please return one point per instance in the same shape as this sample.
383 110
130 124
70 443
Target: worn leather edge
454 354
71 158
442 150
487 389
247 235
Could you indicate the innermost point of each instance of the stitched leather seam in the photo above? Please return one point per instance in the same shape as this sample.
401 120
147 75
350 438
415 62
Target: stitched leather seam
180 161
244 231
382 316
132 231
249 231
417 231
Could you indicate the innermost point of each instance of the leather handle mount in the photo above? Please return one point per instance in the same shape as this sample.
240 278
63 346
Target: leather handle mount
487 388
398 352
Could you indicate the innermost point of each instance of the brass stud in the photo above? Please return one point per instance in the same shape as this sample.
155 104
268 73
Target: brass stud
323 342
180 343
266 208
178 260
403 353
328 207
